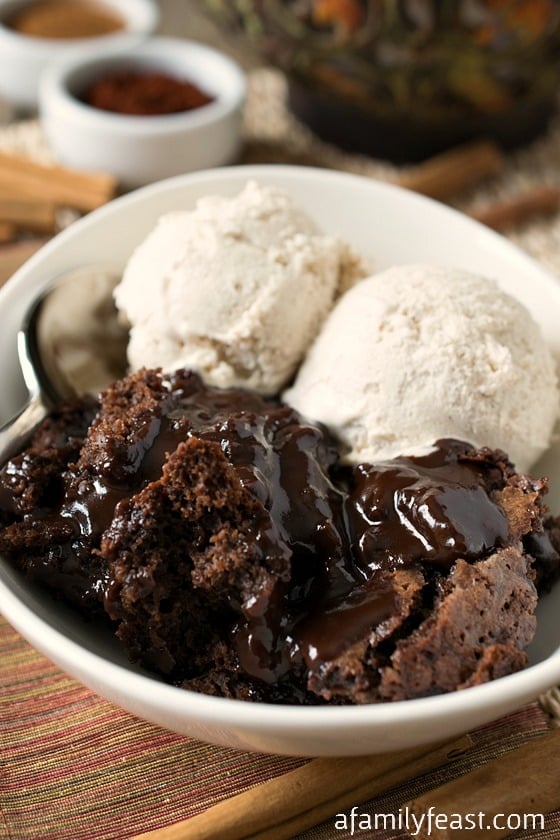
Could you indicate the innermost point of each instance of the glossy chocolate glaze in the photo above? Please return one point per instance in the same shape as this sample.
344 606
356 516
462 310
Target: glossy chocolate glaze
432 508
346 529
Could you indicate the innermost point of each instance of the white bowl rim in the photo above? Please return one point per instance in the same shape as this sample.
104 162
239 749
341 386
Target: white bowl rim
526 684
144 20
53 89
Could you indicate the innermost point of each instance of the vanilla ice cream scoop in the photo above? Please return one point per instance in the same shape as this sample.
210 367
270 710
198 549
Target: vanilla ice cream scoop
235 289
418 353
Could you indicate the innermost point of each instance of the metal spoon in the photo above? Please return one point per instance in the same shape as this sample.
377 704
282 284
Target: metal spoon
71 343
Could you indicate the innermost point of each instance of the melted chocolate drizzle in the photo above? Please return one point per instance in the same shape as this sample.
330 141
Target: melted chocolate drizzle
432 508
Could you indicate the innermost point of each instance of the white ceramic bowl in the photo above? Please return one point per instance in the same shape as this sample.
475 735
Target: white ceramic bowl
394 226
23 59
137 149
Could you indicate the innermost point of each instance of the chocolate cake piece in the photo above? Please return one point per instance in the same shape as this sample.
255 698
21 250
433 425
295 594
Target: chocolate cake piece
482 619
208 562
31 481
455 520
346 668
32 489
187 556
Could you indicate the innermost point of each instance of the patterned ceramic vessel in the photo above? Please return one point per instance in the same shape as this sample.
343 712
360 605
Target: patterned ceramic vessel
405 78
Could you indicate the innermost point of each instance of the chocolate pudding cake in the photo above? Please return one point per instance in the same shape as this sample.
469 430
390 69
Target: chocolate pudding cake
234 553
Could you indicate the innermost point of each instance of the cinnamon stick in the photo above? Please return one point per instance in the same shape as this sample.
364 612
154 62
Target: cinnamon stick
285 806
23 178
454 171
36 215
510 213
523 781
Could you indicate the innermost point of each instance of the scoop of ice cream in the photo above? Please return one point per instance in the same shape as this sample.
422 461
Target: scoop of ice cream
235 289
419 353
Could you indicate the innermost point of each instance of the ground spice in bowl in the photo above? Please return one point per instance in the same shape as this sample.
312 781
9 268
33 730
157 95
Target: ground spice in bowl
144 93
66 19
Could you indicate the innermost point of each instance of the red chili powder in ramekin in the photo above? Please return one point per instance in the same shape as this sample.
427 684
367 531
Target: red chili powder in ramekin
144 93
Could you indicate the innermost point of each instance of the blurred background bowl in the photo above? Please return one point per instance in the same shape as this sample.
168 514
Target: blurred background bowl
404 79
141 149
23 57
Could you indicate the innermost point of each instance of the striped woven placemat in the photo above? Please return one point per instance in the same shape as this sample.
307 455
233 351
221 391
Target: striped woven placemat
75 767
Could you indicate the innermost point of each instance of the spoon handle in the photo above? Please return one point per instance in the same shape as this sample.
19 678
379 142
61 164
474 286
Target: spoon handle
14 434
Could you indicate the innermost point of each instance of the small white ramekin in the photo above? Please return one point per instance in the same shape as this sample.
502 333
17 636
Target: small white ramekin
23 58
136 149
